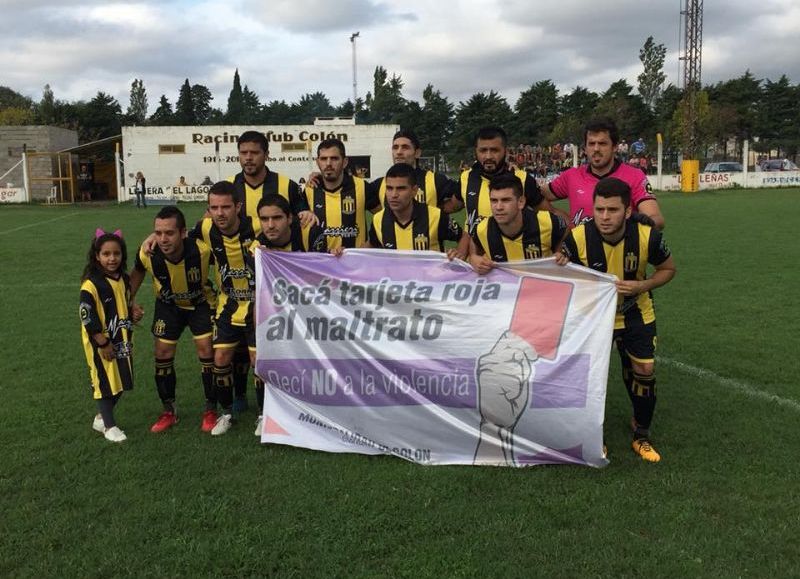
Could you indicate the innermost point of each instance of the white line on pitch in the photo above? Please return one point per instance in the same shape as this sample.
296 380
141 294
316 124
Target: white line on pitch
743 387
38 223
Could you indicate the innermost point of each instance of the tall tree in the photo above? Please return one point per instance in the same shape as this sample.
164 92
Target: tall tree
386 100
251 107
478 111
101 118
777 126
311 106
201 101
11 98
235 101
436 124
163 115
735 105
277 113
628 110
47 107
137 107
536 113
184 108
652 77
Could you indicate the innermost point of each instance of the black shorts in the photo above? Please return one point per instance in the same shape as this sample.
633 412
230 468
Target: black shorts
639 342
229 335
169 321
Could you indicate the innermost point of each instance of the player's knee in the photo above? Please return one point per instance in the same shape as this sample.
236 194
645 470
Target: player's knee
643 368
164 349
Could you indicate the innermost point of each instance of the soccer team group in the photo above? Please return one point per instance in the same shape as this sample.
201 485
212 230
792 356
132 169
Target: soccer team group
614 226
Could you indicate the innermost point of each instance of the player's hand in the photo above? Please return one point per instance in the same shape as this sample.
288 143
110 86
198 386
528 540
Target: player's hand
149 244
629 287
314 180
307 218
137 312
561 258
453 253
107 351
336 251
503 376
481 264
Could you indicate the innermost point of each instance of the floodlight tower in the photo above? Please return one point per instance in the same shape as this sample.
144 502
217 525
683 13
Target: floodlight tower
692 59
355 81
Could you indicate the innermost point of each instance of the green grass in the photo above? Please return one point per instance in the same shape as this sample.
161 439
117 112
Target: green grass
722 503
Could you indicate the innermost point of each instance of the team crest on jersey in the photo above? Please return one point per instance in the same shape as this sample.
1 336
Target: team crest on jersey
159 326
420 196
85 312
193 275
348 205
421 242
532 251
631 262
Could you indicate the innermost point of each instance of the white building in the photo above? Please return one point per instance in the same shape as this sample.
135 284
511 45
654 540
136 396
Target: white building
202 154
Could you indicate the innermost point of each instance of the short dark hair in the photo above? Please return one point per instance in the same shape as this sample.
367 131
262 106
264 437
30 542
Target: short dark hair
253 137
330 143
274 200
170 211
600 125
224 188
488 133
507 181
407 134
613 187
403 170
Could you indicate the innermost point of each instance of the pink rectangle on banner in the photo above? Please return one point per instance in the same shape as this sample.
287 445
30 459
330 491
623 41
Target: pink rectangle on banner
540 313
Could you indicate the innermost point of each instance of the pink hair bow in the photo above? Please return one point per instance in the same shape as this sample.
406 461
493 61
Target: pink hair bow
99 232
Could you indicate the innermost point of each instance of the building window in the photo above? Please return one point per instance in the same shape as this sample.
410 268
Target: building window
171 149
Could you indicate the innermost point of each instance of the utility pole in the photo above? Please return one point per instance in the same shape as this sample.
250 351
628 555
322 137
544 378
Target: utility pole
692 60
355 78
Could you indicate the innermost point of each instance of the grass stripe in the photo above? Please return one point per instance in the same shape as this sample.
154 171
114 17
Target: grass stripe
743 387
21 227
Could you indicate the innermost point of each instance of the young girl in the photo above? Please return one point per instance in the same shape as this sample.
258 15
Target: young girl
107 327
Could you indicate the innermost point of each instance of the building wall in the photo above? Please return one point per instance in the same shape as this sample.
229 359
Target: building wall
200 152
39 139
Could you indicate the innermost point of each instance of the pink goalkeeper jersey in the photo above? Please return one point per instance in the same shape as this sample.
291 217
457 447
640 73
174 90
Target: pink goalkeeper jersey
577 185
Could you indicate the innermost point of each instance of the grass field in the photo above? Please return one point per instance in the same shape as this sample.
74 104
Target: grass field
722 503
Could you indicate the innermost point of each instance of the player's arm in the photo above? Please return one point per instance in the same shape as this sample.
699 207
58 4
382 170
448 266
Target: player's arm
372 198
650 208
90 318
644 202
537 199
447 192
663 274
299 205
137 274
449 230
372 238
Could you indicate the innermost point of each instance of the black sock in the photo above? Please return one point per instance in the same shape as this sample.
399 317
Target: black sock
165 382
241 369
207 378
260 394
644 403
223 380
105 406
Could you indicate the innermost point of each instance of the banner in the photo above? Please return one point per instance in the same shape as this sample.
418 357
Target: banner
407 353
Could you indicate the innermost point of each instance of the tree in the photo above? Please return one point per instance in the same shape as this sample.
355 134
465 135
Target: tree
628 110
652 78
184 108
536 113
735 109
436 123
680 125
11 98
777 126
346 109
163 115
100 118
251 107
479 111
235 101
201 101
46 111
137 107
386 101
311 106
277 113
16 116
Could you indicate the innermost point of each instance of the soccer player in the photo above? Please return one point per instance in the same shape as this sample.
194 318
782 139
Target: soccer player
490 161
406 223
230 237
600 137
433 189
280 230
614 243
340 201
514 231
179 266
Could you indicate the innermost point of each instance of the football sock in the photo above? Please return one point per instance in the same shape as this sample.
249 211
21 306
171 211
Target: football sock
207 378
223 380
165 382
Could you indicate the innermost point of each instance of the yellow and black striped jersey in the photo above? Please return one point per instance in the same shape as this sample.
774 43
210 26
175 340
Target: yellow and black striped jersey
183 283
273 184
104 309
433 188
235 277
301 239
342 213
474 193
541 233
428 229
627 259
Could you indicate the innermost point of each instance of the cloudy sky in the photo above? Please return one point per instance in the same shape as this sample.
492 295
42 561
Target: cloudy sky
286 48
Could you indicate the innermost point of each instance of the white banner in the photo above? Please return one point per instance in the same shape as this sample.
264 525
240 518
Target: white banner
409 354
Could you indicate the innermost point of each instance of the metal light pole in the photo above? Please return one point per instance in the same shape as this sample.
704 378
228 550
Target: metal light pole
355 80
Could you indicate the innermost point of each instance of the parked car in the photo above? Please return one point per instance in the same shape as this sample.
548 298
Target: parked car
723 167
778 165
